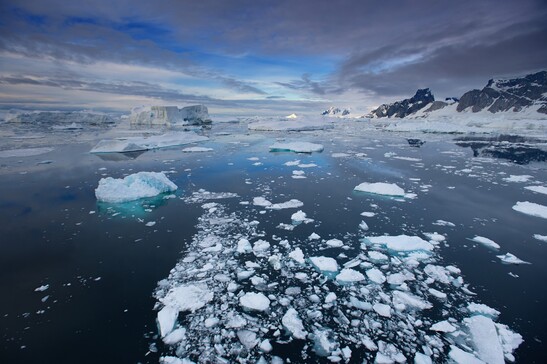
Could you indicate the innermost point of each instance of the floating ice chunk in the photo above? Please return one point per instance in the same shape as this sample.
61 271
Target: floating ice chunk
325 264
254 301
324 342
335 243
375 275
388 354
521 178
482 309
297 255
348 275
366 306
260 246
292 163
265 346
462 357
363 226
291 204
175 336
422 359
247 338
275 261
293 324
174 360
509 341
509 258
435 237
244 246
377 257
330 297
537 189
443 326
133 187
314 236
380 188
444 223
531 208
150 223
297 147
368 214
486 242
411 300
485 339
382 309
211 322
346 353
261 201
41 288
436 293
540 237
24 152
196 150
167 317
190 297
300 216
401 243
438 273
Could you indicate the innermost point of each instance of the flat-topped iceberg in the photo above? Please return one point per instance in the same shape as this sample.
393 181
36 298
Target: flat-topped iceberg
170 115
401 243
297 147
133 144
133 187
380 188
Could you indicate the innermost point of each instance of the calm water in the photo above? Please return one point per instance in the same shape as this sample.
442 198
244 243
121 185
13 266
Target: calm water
102 263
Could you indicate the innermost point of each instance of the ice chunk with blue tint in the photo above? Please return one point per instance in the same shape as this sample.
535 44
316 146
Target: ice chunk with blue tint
133 187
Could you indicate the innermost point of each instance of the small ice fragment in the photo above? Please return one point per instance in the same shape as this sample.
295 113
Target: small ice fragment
380 188
330 297
486 242
150 223
348 275
435 237
260 246
314 236
516 178
436 293
254 301
175 336
247 338
298 216
42 288
325 264
189 297
297 255
537 189
482 309
509 258
293 324
540 237
291 204
368 214
363 226
382 309
335 243
443 326
297 147
402 243
375 275
485 339
261 201
244 246
265 346
444 223
196 150
422 359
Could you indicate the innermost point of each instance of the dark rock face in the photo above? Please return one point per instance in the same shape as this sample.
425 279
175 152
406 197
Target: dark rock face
505 95
400 109
335 111
437 105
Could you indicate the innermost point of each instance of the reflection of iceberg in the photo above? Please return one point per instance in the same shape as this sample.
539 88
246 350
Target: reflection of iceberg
118 157
132 144
136 208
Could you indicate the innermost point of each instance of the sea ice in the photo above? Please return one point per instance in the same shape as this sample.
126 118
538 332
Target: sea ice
189 297
540 237
247 338
485 339
443 326
376 275
254 301
531 208
335 243
363 226
133 187
382 309
348 275
196 149
41 288
167 317
300 216
297 147
522 178
411 300
24 152
486 242
537 189
380 188
422 359
324 264
482 309
462 357
401 243
509 258
444 223
292 323
291 204
261 201
297 255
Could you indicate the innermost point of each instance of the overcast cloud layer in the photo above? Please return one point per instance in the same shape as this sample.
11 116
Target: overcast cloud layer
260 57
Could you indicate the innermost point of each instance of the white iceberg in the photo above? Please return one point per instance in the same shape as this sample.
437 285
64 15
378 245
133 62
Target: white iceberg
188 297
401 243
380 188
133 187
170 115
531 208
509 258
486 242
297 147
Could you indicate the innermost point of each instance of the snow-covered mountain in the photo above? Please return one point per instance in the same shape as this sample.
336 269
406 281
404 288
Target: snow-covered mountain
335 111
512 95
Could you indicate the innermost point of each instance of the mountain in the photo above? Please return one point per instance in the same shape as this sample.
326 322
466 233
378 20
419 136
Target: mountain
508 95
335 111
400 109
503 95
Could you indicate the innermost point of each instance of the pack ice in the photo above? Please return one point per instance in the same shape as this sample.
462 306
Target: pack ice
133 187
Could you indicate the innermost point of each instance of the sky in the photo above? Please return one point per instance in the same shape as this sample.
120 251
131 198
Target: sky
259 57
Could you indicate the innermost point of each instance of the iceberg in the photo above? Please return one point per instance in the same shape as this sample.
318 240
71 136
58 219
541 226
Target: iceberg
170 115
485 339
188 297
530 208
486 242
297 147
509 258
380 188
133 187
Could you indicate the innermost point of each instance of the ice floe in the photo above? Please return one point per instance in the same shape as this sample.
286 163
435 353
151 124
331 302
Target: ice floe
537 189
509 258
486 242
297 147
401 243
531 208
380 188
133 187
24 152
196 149
254 301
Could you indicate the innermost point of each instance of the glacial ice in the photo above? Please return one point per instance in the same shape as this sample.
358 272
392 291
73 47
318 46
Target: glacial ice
297 147
133 187
531 208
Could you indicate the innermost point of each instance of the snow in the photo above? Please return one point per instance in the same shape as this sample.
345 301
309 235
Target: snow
348 275
254 301
401 243
190 297
133 187
324 264
297 147
486 242
537 189
380 188
24 152
292 323
133 144
531 208
509 258
485 339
